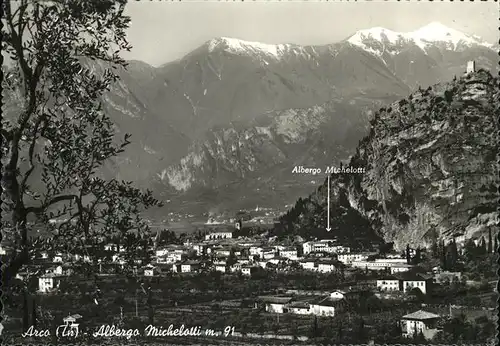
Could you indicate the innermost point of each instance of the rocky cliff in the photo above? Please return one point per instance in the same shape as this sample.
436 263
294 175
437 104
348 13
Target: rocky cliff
431 170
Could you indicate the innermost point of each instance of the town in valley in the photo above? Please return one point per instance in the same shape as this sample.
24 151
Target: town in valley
241 274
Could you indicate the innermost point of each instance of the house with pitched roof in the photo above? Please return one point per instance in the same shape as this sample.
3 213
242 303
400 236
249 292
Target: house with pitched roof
405 282
309 264
409 281
420 322
326 306
327 266
151 270
275 304
388 283
338 294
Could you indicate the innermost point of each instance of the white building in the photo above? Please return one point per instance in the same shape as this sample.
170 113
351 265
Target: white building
411 281
171 257
221 268
248 270
268 253
324 307
236 267
256 251
317 246
309 264
262 264
300 308
72 319
381 265
22 276
349 258
44 255
61 270
161 252
389 283
276 304
327 266
58 258
70 322
278 248
111 247
391 260
118 258
400 268
337 295
190 267
49 282
421 284
201 249
420 322
405 282
325 245
84 258
289 253
219 235
274 260
224 252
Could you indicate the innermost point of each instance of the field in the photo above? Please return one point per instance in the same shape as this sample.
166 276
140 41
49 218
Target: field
216 302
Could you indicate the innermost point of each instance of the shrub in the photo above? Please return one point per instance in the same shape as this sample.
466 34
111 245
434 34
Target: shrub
448 96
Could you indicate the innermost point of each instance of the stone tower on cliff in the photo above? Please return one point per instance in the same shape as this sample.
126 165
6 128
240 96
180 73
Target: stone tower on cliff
471 67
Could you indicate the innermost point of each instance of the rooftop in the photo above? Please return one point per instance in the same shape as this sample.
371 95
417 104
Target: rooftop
408 276
72 318
387 277
327 301
300 305
52 275
421 315
328 262
275 299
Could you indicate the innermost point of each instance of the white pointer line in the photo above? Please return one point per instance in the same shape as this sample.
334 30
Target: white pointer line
328 228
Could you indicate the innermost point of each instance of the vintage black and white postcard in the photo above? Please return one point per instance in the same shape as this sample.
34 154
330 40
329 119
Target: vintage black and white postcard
249 172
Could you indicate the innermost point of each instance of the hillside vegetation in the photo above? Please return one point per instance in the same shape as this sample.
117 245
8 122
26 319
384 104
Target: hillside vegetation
430 169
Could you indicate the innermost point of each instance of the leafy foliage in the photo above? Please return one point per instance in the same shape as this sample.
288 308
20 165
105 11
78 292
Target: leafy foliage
63 55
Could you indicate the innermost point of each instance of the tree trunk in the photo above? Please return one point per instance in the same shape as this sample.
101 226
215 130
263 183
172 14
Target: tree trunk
151 315
25 310
34 315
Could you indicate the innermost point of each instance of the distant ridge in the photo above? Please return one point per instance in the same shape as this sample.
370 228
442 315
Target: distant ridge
422 37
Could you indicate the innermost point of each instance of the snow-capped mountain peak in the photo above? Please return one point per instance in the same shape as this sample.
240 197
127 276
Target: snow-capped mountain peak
376 33
237 46
373 39
436 31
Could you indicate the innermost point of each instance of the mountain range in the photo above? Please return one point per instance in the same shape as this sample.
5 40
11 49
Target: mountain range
222 127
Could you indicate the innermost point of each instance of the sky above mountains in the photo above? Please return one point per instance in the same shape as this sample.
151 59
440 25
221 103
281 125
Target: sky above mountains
165 31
